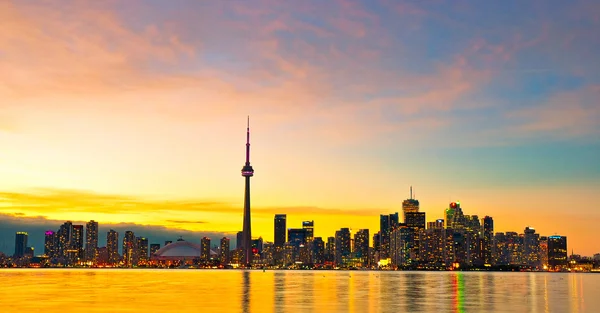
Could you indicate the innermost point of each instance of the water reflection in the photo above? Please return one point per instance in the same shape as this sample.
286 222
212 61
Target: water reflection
246 291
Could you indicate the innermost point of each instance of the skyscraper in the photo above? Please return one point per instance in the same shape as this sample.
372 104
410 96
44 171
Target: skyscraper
387 223
20 244
224 257
557 251
247 172
415 220
64 240
361 245
342 245
91 240
76 245
531 247
153 248
50 242
410 205
142 250
297 236
280 227
487 240
129 248
239 240
205 249
112 246
310 229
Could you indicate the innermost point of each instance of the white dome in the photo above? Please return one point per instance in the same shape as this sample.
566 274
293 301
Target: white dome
180 250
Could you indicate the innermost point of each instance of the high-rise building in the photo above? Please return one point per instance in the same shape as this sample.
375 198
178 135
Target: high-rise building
238 240
91 241
224 251
129 248
387 223
487 240
531 247
64 240
544 252
257 246
415 220
361 246
557 251
50 244
455 218
153 248
410 205
112 246
297 236
310 229
280 228
330 250
439 223
76 246
247 172
205 249
500 251
342 245
142 250
20 244
102 255
318 251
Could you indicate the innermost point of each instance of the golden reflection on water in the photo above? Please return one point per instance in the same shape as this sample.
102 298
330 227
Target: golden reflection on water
73 290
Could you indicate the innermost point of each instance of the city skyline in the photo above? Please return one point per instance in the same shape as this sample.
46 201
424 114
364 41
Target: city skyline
135 118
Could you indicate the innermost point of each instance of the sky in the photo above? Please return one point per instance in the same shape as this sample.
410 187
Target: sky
133 114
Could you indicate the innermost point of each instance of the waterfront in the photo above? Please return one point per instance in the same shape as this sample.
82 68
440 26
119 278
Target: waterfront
137 290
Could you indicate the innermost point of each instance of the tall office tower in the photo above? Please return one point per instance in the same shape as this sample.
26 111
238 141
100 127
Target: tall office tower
76 245
20 244
531 247
557 252
129 248
500 253
455 218
280 228
318 251
387 223
415 220
64 240
439 223
50 242
257 246
543 252
247 172
487 239
224 251
401 246
410 205
432 246
142 250
168 242
91 240
377 242
342 245
514 245
310 229
205 249
297 236
153 248
239 240
330 250
112 246
361 246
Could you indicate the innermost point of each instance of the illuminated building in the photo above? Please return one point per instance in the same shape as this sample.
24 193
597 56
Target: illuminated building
330 250
205 249
309 226
112 246
342 245
297 236
153 248
557 251
318 251
91 241
410 206
268 254
431 246
224 251
454 216
500 253
514 244
280 228
76 245
415 220
50 244
129 248
20 244
401 246
487 240
439 223
387 223
247 172
142 250
64 241
531 248
29 252
180 250
257 246
238 240
102 255
543 256
361 246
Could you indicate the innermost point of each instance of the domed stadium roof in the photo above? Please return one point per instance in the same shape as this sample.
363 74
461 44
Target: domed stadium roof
180 249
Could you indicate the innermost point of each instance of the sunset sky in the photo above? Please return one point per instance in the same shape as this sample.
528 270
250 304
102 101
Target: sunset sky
135 112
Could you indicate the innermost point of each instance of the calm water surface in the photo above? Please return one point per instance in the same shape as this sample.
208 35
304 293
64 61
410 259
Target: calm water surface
91 290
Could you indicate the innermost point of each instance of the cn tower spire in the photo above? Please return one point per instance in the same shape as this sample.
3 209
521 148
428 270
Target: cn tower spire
247 172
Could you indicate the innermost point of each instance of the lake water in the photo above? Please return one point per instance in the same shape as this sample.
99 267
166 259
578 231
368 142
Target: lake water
123 290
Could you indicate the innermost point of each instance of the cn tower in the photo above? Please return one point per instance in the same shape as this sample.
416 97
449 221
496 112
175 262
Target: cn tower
247 172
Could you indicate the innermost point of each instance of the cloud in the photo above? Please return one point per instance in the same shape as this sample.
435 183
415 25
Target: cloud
186 222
